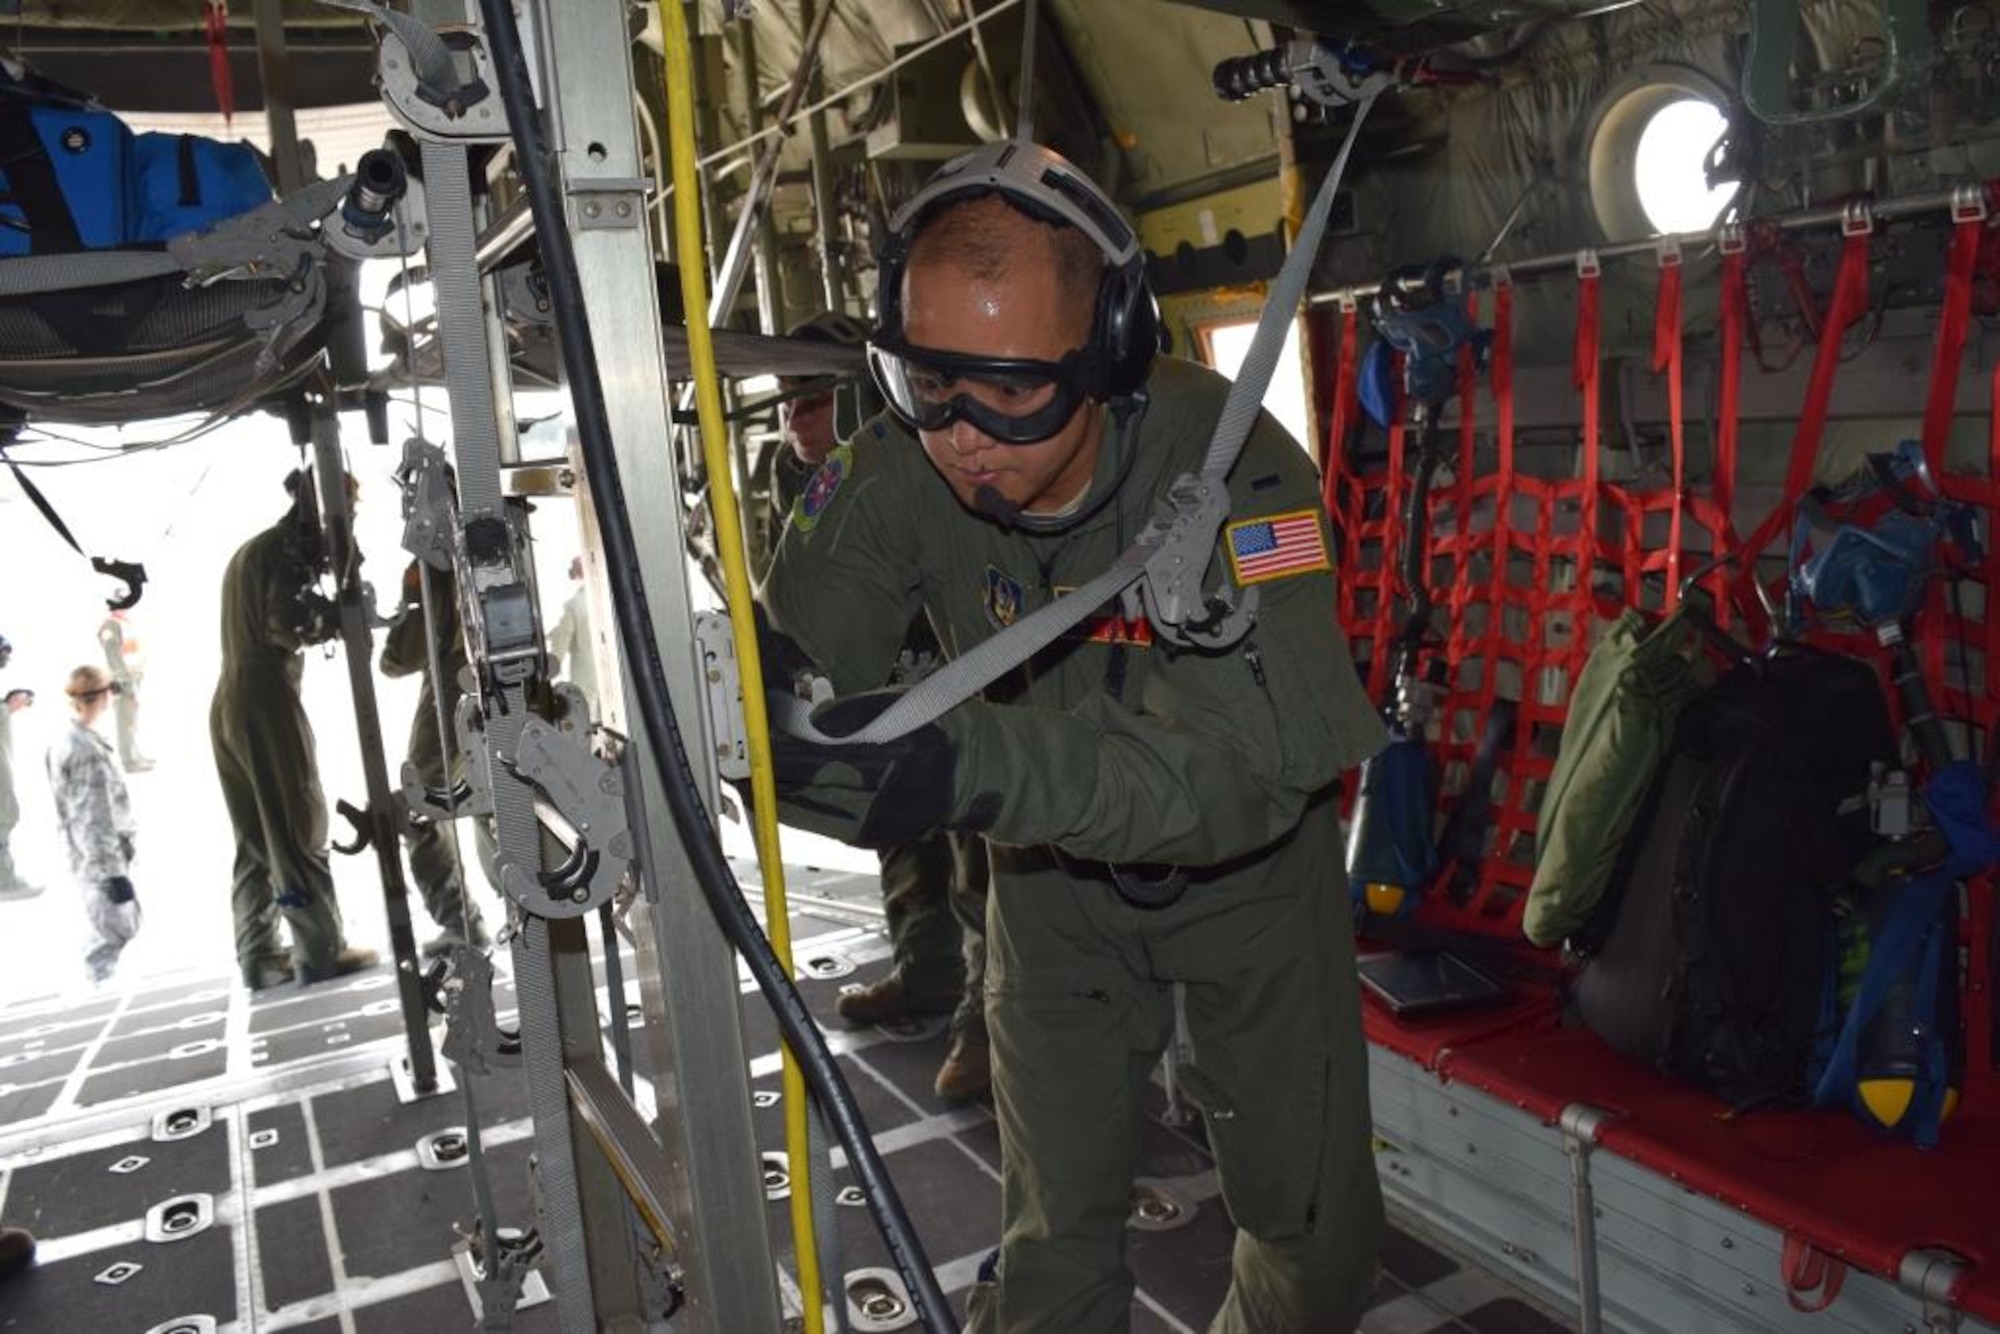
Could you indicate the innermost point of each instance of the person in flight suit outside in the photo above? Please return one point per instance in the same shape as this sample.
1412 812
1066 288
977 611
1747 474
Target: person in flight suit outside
128 668
1034 432
96 818
933 888
12 886
264 754
433 866
571 641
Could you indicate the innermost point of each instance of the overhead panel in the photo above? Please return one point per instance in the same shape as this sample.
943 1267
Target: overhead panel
1403 25
1152 82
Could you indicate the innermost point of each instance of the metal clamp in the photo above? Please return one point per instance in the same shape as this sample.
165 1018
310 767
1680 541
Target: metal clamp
1933 1276
616 202
467 113
1856 218
1668 249
1588 265
1968 203
1181 535
588 794
473 1038
1731 239
429 508
1499 276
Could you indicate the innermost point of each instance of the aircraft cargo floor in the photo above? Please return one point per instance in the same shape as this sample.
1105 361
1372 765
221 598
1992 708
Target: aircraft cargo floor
193 1159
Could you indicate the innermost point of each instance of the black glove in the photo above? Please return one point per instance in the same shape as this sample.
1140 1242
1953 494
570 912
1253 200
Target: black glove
119 889
874 796
780 656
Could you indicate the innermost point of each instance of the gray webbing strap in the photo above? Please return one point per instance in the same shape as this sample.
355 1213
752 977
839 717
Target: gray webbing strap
432 58
1193 543
468 374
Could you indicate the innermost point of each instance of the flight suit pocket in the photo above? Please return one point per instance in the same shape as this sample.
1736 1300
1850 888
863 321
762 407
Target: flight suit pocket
1268 1128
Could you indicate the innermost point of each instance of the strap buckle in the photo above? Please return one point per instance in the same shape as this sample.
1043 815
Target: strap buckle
1668 249
1731 239
1346 302
1968 203
1587 264
1856 218
1500 276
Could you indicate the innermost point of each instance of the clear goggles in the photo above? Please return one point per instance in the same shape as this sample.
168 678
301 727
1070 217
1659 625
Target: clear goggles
1014 400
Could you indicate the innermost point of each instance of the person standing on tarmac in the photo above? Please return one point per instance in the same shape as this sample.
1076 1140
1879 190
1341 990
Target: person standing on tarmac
96 818
127 666
933 888
264 753
440 879
12 886
1035 431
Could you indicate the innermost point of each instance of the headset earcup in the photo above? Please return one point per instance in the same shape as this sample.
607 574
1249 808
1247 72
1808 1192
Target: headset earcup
1128 330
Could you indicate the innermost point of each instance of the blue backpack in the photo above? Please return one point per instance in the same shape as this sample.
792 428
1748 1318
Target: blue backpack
77 178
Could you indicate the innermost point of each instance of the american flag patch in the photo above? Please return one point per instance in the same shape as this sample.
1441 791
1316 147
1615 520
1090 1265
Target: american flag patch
1276 546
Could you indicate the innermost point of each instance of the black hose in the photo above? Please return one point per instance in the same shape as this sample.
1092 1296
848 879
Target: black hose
635 631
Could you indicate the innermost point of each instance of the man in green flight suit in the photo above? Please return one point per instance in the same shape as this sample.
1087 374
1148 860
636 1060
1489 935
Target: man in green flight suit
123 659
1034 432
264 754
433 865
933 888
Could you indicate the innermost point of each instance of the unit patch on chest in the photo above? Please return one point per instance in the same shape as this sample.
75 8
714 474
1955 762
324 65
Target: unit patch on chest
819 492
1002 598
1276 546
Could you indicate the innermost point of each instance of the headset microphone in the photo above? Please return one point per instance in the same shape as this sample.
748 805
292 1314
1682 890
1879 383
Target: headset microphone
988 501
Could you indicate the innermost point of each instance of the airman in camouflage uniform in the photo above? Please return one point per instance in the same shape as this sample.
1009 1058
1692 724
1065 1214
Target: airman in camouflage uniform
97 825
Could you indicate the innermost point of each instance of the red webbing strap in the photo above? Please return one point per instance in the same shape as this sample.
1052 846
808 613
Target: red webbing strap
1667 358
1344 404
1991 613
1460 596
219 75
1953 319
1850 298
1503 380
1383 637
1729 394
1586 369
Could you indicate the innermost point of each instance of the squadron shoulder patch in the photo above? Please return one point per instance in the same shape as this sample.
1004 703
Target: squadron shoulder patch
819 492
1276 546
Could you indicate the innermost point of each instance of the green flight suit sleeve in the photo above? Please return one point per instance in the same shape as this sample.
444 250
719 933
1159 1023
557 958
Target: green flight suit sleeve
403 651
1223 750
844 583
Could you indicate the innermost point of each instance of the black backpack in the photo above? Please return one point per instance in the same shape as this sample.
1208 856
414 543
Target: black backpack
1713 964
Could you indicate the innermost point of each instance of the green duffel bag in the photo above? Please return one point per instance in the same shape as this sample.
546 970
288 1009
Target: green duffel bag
1621 720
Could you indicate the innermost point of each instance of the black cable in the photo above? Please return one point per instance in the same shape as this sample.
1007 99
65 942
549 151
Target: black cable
635 628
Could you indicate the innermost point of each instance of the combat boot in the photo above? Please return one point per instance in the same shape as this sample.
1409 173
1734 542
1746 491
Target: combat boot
889 1002
967 1072
268 973
17 1251
453 936
352 959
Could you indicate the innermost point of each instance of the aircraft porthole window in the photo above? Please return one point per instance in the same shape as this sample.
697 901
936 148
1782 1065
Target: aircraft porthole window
1649 146
1669 168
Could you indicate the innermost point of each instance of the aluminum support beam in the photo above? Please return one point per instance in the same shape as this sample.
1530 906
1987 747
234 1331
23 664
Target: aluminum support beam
715 1201
274 71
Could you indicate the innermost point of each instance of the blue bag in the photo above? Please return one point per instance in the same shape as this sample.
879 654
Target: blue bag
187 183
64 180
